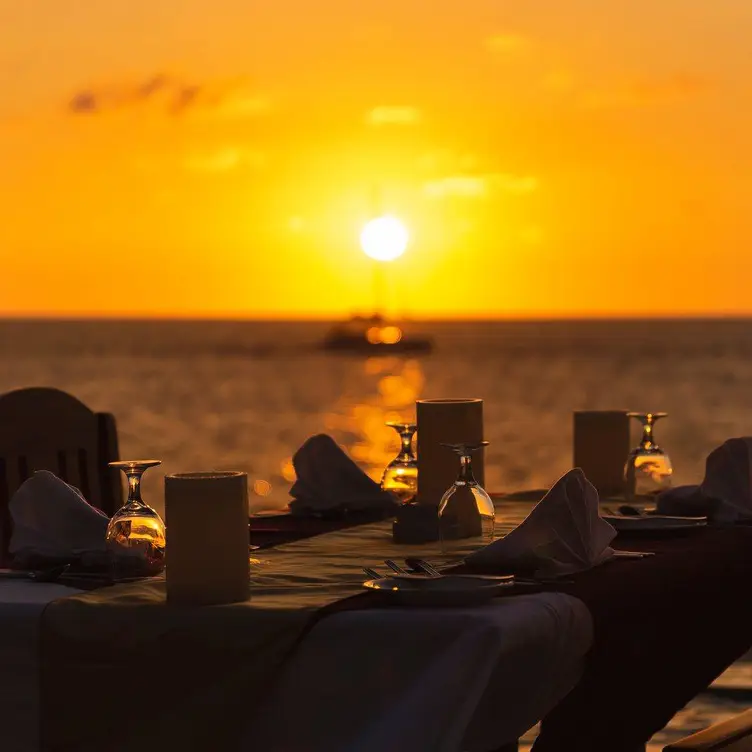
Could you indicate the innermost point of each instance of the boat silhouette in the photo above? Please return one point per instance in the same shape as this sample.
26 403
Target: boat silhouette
374 334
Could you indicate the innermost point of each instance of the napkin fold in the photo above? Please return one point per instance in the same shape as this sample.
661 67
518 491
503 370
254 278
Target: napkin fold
330 483
564 533
725 494
52 520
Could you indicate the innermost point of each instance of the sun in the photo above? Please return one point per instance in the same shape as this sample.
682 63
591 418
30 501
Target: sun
384 238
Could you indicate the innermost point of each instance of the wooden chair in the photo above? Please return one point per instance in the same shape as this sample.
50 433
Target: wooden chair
47 429
734 735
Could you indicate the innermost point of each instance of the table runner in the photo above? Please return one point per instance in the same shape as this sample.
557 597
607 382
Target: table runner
665 627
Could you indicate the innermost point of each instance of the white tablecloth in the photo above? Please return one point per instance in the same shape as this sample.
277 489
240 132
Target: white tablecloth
402 680
425 680
21 605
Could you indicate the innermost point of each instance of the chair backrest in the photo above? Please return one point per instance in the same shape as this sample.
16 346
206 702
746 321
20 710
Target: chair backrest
47 429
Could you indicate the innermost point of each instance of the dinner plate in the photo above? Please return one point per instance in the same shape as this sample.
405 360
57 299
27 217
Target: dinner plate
654 523
448 590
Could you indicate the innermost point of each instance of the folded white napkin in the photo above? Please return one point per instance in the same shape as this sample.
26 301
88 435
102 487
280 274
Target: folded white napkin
53 520
725 494
329 481
564 533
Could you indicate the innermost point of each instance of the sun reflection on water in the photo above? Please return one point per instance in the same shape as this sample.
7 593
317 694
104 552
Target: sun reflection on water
361 426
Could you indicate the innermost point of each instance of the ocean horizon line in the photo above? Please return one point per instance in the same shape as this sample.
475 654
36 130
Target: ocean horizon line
257 319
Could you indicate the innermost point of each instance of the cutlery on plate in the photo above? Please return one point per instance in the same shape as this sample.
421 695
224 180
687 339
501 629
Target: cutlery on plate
372 573
430 570
395 567
423 566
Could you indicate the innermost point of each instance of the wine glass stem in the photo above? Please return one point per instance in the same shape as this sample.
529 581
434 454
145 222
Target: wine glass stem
647 435
407 446
134 486
466 470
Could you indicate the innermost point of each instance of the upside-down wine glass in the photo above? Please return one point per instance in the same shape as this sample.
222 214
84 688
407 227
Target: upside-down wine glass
136 535
401 475
466 510
648 470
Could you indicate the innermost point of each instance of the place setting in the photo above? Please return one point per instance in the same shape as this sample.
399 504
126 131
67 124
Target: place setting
648 475
437 555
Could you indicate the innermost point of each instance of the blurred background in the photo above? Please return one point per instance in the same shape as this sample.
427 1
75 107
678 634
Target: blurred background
184 186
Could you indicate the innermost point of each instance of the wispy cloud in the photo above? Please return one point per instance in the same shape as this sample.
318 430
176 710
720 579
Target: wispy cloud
480 186
390 115
172 95
641 93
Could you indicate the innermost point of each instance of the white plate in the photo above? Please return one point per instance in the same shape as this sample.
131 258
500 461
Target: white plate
653 523
449 590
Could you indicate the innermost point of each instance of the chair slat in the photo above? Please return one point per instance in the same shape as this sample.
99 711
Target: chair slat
45 458
5 523
16 472
110 479
70 470
89 476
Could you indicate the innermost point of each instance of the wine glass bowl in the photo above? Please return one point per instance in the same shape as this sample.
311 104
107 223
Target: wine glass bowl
648 470
136 535
466 510
401 475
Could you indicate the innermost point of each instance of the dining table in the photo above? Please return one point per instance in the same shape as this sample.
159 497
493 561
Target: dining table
310 662
604 658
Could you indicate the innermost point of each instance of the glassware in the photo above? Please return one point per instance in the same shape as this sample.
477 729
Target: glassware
648 470
136 535
466 510
401 475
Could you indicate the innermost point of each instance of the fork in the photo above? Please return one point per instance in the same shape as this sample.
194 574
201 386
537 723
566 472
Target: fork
430 570
395 567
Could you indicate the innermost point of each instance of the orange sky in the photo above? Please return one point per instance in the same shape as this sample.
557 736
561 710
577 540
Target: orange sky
218 157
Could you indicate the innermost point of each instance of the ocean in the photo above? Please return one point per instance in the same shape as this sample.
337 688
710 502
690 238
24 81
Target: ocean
244 395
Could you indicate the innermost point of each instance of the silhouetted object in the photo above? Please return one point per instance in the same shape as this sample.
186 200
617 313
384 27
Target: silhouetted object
466 510
53 521
330 483
648 469
374 335
208 544
441 422
725 494
136 535
601 446
400 477
563 534
415 524
46 429
331 492
732 735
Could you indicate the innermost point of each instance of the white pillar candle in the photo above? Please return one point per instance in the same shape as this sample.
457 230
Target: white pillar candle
207 538
446 421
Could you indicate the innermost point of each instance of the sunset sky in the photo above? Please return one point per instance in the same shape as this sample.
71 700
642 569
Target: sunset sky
219 157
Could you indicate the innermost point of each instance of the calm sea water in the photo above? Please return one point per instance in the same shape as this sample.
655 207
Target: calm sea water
226 395
211 395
